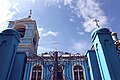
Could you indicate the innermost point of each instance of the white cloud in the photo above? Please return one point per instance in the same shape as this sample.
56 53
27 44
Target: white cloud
43 49
81 46
80 33
33 1
88 10
71 20
59 6
52 2
7 10
43 33
67 2
40 30
50 33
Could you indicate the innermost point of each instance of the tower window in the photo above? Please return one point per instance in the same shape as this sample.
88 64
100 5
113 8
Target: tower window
78 73
36 73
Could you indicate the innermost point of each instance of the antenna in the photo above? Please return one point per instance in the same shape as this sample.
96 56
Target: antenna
30 13
55 43
96 21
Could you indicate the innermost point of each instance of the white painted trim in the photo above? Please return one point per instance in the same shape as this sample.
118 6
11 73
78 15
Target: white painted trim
37 74
79 64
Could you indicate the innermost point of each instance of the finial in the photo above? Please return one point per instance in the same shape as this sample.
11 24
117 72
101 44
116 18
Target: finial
96 21
30 13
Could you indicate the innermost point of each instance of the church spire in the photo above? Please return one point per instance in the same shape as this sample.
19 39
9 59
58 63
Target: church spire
30 14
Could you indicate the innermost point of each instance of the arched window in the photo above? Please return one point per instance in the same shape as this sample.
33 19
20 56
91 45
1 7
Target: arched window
21 31
59 73
39 75
78 73
21 28
36 73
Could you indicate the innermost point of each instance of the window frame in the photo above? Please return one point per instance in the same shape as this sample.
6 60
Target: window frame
37 71
83 70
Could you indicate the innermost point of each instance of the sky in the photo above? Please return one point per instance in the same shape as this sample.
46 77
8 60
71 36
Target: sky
63 25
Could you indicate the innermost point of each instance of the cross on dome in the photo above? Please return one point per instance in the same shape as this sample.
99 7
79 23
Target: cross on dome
96 21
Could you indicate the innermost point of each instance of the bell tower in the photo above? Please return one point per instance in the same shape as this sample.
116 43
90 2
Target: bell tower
106 53
29 34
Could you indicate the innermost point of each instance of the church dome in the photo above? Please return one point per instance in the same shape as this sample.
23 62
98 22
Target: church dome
99 30
26 19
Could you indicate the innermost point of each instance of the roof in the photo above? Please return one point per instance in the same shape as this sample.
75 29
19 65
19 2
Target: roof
99 30
26 19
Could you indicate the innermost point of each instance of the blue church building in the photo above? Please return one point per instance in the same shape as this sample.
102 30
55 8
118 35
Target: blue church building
19 59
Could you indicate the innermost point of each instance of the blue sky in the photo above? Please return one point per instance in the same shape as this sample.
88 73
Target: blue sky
63 25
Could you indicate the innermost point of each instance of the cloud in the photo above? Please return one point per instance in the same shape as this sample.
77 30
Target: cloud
51 2
88 10
67 2
43 49
33 1
7 10
71 20
81 46
50 33
59 6
40 30
80 33
43 33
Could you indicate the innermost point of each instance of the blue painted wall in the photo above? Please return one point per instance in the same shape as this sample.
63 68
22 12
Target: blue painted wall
27 71
93 65
67 69
106 53
9 40
18 66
